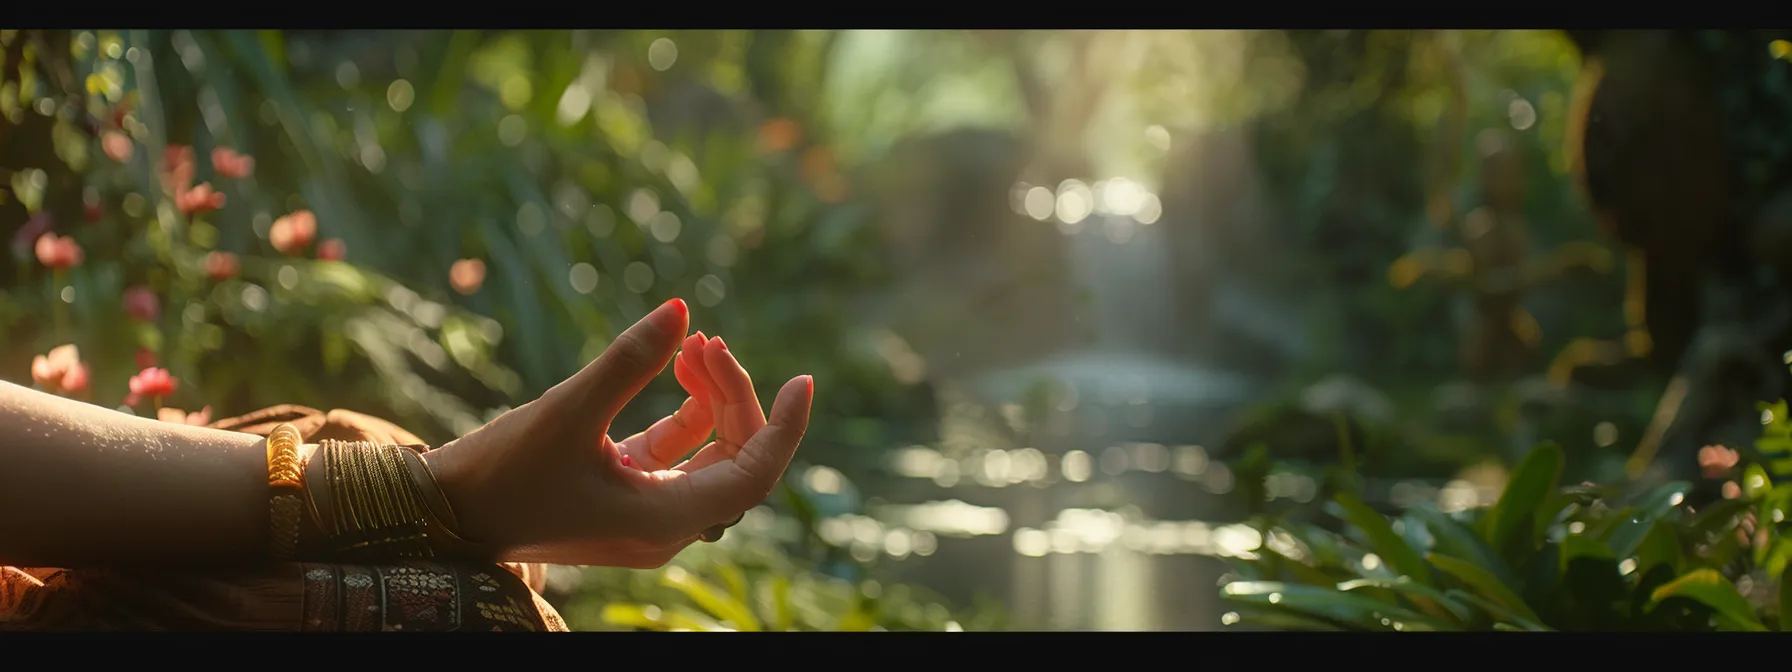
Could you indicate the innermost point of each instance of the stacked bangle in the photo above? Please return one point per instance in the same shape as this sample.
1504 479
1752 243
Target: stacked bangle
367 502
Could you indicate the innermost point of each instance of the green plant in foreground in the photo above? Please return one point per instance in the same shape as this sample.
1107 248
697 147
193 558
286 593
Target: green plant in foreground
1544 557
748 584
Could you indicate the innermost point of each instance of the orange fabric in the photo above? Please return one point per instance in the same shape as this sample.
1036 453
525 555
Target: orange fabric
287 596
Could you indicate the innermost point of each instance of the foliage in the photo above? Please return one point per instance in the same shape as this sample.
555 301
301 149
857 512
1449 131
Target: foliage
590 179
1544 557
747 583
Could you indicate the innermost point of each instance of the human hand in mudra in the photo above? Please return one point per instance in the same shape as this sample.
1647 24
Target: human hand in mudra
545 483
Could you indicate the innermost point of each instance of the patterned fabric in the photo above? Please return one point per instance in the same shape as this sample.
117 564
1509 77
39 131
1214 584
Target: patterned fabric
421 597
317 597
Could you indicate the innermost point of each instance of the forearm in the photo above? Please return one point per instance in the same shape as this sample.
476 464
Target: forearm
85 485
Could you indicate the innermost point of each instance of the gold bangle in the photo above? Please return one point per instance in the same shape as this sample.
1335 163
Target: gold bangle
377 509
286 513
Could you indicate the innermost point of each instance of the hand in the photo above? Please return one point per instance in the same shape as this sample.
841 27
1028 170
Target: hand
544 482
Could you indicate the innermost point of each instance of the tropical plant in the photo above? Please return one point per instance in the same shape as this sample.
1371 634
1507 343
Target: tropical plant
748 582
488 207
1544 557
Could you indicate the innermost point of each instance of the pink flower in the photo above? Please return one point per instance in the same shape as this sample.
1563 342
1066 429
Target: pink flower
332 249
75 381
60 371
200 199
141 304
1717 461
58 252
467 275
154 383
293 233
200 419
232 165
221 265
118 146
177 168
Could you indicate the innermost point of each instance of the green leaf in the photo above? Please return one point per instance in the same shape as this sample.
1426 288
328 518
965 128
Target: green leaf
1282 619
1711 589
1577 546
682 617
736 581
1634 524
634 616
1301 571
783 616
1508 521
1326 546
857 619
1428 599
1660 547
710 598
1497 612
1331 604
1383 540
1450 537
1483 583
1779 557
1755 483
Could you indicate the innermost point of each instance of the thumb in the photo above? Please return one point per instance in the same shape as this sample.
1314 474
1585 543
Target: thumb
630 362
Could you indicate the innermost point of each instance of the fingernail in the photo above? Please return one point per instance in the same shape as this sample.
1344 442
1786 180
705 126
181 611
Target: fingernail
700 336
626 461
810 381
678 304
720 344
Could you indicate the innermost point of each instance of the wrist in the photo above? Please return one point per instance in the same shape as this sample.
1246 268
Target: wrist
460 486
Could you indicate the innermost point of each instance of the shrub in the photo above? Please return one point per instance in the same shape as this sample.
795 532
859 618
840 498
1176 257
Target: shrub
1544 557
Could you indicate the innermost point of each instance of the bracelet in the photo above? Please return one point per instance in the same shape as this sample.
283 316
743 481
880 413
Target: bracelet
285 512
380 502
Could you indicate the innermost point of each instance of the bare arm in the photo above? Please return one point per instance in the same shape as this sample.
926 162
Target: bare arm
85 485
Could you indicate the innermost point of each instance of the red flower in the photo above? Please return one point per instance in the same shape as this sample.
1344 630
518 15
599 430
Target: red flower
232 165
180 417
467 275
58 252
118 146
221 265
141 304
293 233
199 199
61 371
177 167
145 358
154 383
332 249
